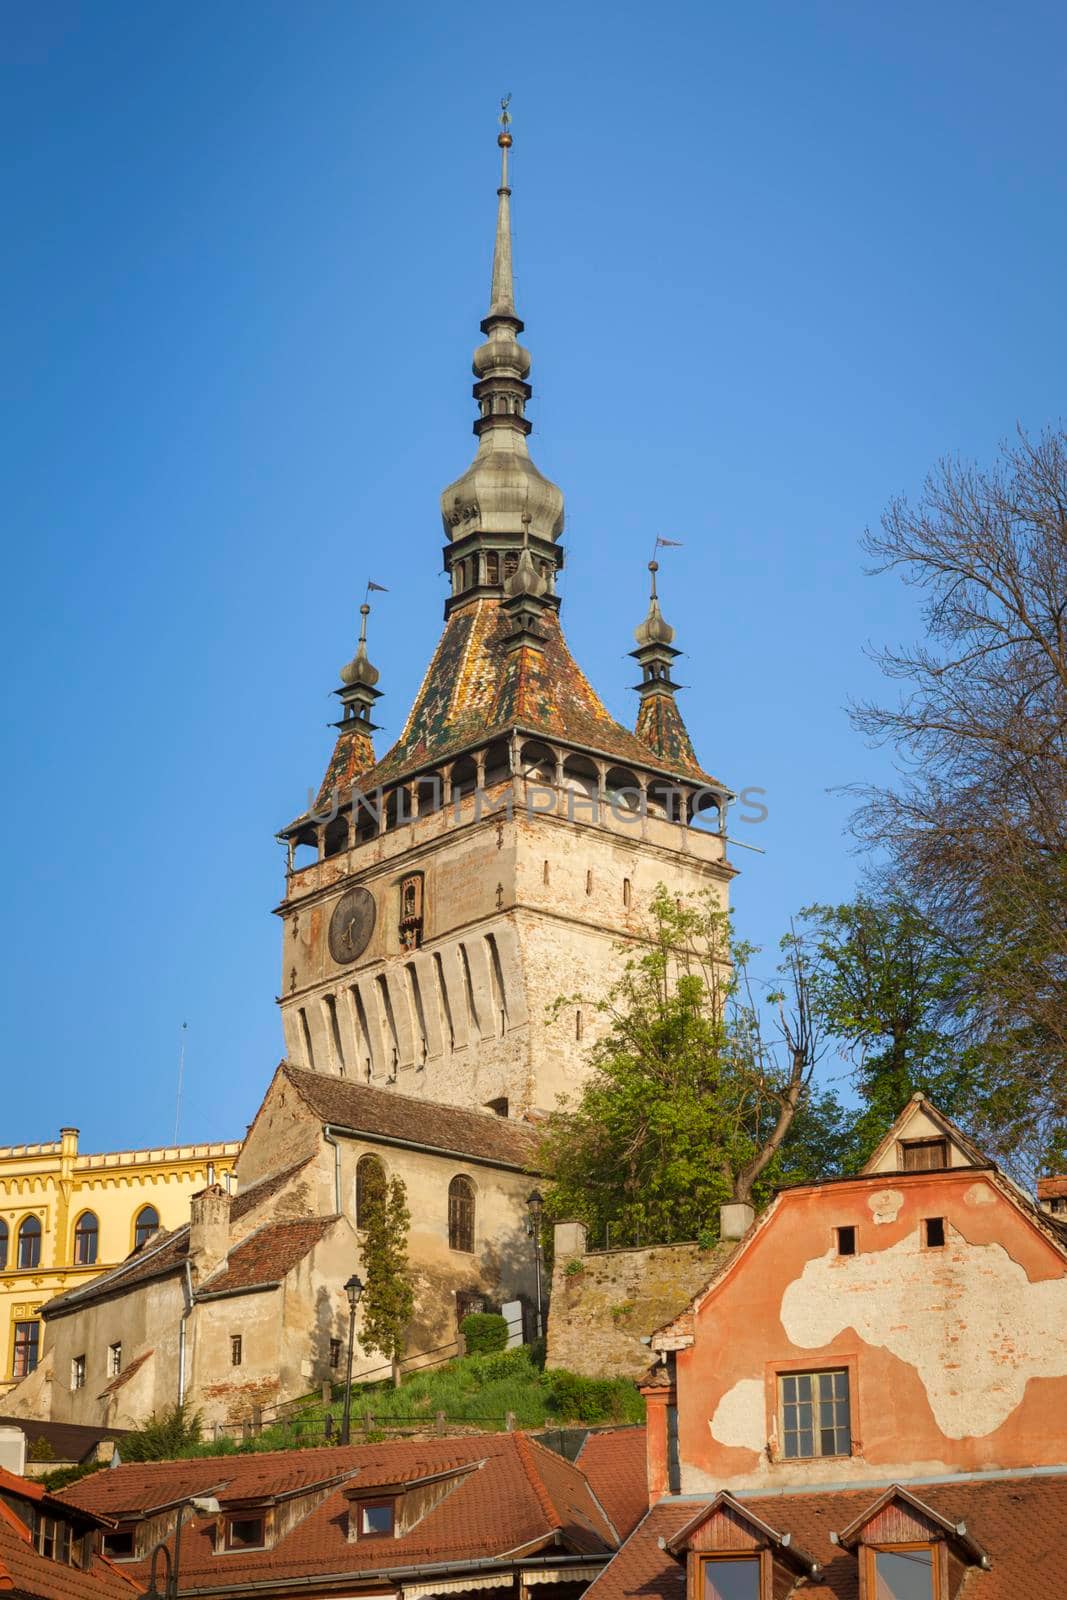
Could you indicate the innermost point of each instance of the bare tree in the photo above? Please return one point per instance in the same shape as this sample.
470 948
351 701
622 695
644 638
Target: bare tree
975 827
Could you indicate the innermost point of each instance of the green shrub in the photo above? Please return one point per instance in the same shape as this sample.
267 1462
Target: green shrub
486 1332
575 1268
576 1399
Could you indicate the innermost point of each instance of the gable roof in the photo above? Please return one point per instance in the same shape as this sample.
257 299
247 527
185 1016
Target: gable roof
780 1539
519 1498
423 1124
1021 1522
246 1200
920 1105
163 1256
38 1577
263 1259
614 1464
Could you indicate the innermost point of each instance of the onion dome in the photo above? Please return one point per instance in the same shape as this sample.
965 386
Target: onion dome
484 509
358 679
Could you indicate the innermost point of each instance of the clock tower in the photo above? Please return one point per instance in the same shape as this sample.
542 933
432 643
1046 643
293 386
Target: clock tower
441 898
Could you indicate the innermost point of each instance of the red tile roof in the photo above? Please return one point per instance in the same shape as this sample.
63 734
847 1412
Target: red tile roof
246 1200
1020 1521
38 1577
613 1461
480 1135
266 1255
520 1497
1051 1188
163 1255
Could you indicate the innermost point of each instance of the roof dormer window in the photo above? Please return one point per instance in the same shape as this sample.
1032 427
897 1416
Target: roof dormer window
377 1518
905 1550
731 1553
731 1578
907 1572
246 1532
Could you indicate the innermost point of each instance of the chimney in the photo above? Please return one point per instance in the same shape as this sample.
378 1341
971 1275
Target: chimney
735 1220
209 1228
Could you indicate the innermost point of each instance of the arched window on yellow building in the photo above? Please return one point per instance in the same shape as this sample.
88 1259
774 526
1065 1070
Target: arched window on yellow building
29 1253
86 1239
3 1244
146 1225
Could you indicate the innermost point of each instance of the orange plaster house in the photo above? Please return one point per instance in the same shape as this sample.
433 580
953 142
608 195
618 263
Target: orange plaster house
907 1323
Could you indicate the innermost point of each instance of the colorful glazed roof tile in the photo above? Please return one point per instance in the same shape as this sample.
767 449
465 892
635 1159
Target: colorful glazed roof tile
475 690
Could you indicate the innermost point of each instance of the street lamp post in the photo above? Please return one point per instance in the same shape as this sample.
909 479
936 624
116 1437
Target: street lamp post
536 1204
354 1291
204 1505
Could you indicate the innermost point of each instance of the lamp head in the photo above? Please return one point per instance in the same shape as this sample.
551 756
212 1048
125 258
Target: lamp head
536 1203
354 1290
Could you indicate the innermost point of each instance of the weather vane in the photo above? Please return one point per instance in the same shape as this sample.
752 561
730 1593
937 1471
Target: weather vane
505 119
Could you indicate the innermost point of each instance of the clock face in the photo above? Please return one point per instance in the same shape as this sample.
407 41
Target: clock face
351 925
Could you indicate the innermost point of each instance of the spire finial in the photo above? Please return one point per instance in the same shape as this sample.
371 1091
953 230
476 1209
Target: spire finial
653 567
502 292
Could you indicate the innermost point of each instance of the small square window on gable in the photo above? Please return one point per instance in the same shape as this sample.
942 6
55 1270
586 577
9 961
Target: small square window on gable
731 1553
907 1551
934 1232
923 1155
846 1240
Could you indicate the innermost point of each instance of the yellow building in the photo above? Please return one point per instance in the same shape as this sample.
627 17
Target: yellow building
66 1216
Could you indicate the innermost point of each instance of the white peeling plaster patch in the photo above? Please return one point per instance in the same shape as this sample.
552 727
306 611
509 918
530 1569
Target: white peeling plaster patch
885 1205
979 1194
967 1319
740 1416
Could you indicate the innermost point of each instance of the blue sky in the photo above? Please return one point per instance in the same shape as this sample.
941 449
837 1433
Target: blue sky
773 260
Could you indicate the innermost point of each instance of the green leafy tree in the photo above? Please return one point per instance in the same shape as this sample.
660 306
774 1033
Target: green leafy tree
389 1298
689 1102
888 986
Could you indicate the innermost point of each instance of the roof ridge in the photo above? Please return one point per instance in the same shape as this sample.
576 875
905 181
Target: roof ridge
392 1095
547 1504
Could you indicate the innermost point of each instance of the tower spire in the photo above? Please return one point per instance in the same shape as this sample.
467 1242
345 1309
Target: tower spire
483 509
502 291
659 721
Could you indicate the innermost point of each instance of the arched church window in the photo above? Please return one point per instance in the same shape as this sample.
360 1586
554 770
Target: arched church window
3 1244
146 1225
461 1214
370 1186
29 1254
492 567
86 1239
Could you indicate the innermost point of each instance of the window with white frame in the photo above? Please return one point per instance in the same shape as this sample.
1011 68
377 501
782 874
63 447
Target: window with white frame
814 1417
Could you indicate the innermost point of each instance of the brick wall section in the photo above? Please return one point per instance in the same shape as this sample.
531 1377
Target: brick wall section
599 1315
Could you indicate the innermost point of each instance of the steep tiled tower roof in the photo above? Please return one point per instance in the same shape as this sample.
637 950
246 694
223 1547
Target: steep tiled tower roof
502 663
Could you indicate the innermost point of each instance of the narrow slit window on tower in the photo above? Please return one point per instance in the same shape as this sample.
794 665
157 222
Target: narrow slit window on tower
626 893
579 1024
236 1349
589 881
544 873
492 567
411 903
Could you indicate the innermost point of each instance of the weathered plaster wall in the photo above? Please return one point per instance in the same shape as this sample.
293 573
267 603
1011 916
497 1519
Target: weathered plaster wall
957 1356
600 1314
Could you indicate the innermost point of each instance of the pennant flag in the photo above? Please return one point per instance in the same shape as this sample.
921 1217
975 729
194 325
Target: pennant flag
675 544
379 586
